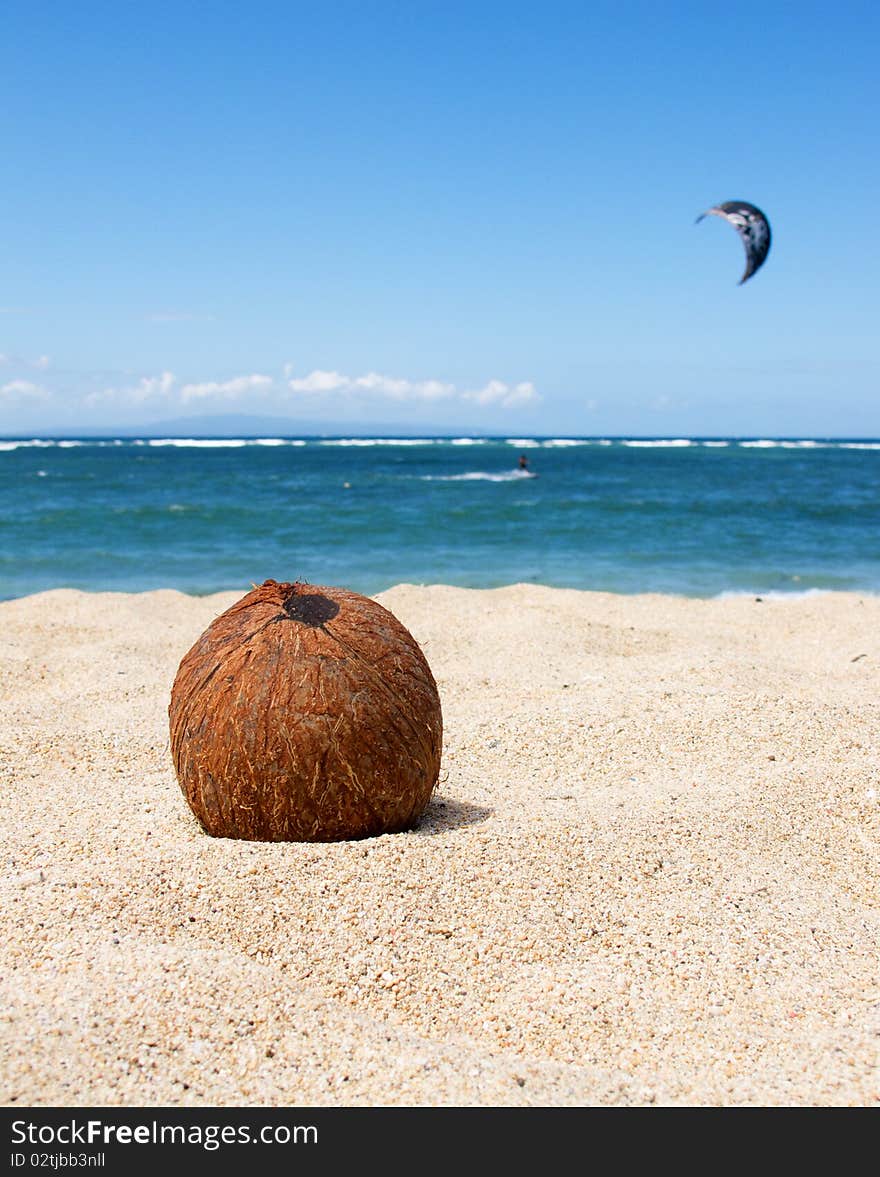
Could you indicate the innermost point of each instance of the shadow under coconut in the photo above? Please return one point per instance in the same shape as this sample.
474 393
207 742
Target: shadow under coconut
445 814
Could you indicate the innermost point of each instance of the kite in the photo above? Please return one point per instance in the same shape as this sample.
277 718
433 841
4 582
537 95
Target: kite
753 228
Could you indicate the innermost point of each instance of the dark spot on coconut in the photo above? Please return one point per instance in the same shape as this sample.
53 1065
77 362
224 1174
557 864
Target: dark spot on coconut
310 609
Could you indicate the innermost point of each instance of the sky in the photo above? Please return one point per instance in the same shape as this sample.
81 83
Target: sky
449 217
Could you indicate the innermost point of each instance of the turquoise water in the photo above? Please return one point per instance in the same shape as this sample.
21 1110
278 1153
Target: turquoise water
684 516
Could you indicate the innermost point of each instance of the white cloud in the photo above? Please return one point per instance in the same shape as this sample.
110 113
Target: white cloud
41 362
23 390
317 381
319 384
150 387
166 388
496 392
147 388
436 389
227 389
399 389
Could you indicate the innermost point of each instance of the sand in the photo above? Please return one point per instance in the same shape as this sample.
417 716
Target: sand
648 875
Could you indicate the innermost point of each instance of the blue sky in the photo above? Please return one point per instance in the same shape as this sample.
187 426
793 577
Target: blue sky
468 216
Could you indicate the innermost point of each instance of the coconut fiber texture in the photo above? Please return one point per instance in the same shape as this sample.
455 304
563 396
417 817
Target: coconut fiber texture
308 714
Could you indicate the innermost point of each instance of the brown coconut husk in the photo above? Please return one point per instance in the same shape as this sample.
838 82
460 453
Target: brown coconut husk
305 713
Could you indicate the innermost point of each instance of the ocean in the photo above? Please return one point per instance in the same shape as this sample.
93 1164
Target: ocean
696 517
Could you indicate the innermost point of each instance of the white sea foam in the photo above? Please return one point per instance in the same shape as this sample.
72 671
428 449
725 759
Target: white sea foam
714 444
762 444
662 443
468 441
523 443
476 476
269 441
199 442
16 445
370 441
785 594
563 441
800 445
860 445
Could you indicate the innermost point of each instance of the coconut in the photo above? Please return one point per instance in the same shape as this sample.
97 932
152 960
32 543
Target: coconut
308 714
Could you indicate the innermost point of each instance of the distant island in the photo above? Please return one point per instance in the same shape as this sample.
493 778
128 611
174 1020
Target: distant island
241 425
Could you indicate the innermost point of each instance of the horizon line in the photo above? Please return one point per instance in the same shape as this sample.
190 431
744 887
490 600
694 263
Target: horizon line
191 435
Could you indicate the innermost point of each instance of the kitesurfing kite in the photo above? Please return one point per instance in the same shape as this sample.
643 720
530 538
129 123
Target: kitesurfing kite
753 228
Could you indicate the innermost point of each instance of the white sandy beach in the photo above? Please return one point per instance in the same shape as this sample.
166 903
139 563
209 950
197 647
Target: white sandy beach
649 873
